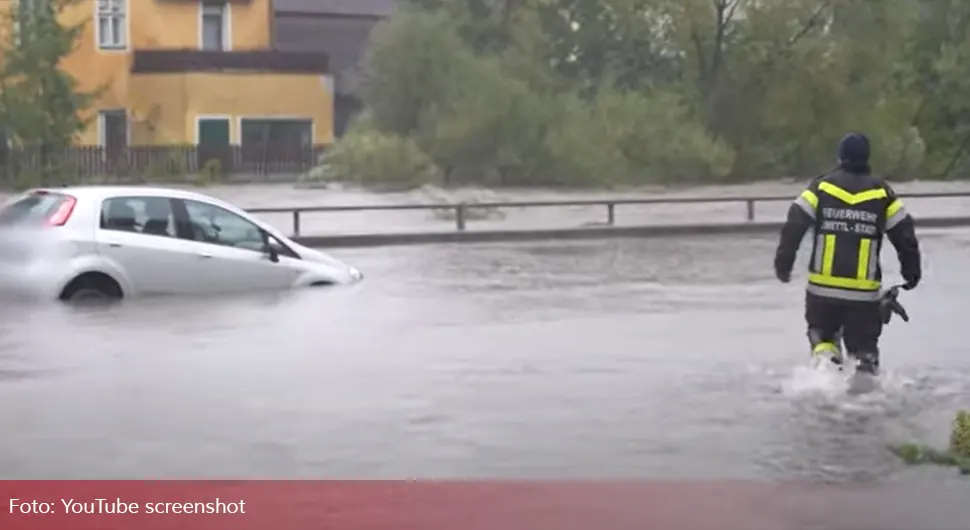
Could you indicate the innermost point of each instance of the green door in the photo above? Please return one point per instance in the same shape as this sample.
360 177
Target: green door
214 142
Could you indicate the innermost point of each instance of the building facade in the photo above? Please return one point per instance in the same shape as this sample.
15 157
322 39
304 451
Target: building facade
339 28
180 72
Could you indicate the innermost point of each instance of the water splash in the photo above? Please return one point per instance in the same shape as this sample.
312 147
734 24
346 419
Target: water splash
823 381
848 391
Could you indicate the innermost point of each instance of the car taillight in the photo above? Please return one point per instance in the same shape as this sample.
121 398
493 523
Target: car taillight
62 213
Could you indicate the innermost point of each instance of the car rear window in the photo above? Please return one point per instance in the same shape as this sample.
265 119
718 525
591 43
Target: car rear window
31 209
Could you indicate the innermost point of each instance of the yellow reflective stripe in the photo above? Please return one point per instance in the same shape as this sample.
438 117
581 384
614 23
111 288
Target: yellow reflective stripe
893 207
844 283
828 254
895 213
826 347
808 202
862 268
810 197
852 198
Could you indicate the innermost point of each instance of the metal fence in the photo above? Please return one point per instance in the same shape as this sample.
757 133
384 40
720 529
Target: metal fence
154 163
610 206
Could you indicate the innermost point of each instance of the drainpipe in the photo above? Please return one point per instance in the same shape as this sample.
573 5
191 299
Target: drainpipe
272 24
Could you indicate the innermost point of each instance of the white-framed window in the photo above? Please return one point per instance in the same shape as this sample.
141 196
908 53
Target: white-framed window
111 24
214 26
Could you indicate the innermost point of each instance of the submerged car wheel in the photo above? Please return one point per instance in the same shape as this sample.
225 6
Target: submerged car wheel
91 289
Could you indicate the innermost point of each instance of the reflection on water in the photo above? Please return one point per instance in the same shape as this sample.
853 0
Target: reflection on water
618 358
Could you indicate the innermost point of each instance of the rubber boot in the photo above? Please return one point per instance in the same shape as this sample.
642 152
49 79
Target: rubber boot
826 348
830 350
868 363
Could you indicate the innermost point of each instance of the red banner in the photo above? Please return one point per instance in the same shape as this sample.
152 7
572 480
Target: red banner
473 505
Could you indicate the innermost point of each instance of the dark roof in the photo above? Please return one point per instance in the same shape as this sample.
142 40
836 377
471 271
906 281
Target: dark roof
342 39
369 8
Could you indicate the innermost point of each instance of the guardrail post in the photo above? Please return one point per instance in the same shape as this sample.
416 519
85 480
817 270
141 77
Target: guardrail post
296 223
750 204
460 216
610 213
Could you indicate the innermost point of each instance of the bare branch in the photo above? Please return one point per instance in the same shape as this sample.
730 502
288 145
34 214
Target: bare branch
733 6
810 24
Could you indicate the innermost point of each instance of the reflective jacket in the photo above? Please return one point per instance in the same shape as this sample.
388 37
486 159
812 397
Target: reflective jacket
849 214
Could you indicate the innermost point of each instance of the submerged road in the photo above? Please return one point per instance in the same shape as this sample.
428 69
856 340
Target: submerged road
652 358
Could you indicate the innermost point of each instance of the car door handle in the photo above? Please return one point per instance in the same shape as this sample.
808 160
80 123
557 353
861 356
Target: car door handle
115 245
205 255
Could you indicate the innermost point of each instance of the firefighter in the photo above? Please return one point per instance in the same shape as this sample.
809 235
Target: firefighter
849 211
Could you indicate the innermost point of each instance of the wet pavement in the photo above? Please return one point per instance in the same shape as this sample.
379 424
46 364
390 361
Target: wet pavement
633 358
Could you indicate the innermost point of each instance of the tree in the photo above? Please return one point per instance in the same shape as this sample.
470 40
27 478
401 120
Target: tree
610 42
41 107
938 72
464 110
633 91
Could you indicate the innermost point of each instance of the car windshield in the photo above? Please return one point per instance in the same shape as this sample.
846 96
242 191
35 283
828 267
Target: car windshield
31 209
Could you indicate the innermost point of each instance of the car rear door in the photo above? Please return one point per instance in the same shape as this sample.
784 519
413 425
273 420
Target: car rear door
139 235
230 250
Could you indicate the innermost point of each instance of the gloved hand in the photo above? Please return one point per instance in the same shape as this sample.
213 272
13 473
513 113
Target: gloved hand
783 277
911 283
885 312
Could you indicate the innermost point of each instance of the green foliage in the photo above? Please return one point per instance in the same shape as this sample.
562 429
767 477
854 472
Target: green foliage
611 92
917 454
374 158
417 65
211 173
960 434
634 137
41 106
493 134
957 454
474 121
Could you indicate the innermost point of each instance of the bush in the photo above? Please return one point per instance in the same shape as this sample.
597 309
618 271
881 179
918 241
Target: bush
635 138
583 147
210 173
960 434
476 122
372 158
492 134
481 124
415 63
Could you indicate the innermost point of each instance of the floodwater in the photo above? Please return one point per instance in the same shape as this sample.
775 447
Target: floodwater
394 221
634 358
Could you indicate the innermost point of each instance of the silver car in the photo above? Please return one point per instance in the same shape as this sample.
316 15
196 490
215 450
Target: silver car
108 242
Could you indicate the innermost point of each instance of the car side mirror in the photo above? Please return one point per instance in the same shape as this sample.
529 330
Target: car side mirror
268 246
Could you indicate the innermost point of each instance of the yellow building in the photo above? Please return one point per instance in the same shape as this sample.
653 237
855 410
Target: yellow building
196 72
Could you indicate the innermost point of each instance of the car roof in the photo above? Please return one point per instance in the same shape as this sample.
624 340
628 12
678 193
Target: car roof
105 192
99 193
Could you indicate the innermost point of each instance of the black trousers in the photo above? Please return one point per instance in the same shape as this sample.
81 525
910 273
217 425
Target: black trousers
858 324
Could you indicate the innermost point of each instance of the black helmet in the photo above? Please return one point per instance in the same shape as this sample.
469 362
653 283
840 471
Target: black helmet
854 152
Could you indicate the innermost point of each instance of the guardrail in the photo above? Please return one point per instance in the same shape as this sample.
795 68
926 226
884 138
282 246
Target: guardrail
461 208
